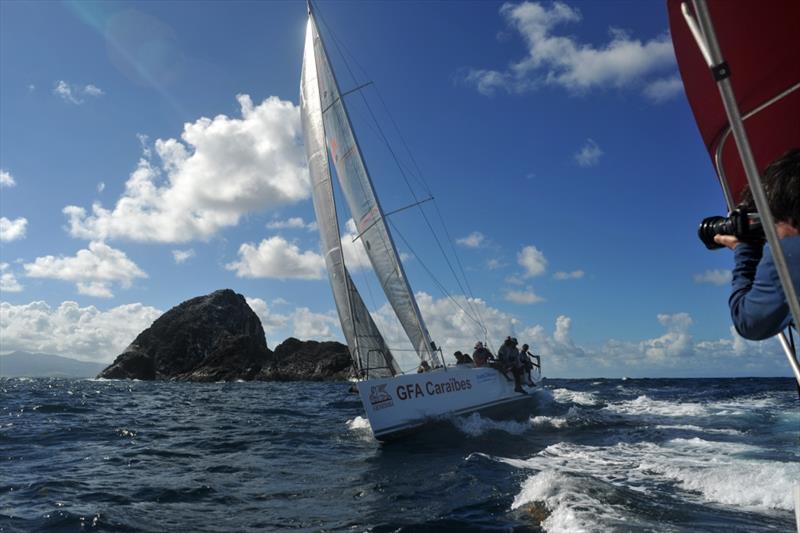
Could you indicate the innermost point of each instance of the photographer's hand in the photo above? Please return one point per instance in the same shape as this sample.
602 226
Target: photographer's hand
729 241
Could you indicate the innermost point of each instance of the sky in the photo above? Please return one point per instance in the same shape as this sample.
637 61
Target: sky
151 152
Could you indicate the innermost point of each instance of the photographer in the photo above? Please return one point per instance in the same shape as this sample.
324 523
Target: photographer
759 309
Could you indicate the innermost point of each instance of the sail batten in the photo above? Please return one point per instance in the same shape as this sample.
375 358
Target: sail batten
363 203
371 356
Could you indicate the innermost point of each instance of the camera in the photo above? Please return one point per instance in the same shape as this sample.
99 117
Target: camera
743 222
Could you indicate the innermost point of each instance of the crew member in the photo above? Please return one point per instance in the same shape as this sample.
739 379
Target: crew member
481 355
529 361
759 308
510 360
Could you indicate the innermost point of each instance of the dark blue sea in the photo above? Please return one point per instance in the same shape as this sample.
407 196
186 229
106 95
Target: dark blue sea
595 455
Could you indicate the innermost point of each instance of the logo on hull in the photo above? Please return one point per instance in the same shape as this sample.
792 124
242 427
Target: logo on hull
379 398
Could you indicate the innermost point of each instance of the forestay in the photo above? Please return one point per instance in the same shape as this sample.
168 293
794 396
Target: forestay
363 203
367 346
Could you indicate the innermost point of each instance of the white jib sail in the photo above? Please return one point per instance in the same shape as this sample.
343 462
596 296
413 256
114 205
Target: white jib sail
364 206
364 340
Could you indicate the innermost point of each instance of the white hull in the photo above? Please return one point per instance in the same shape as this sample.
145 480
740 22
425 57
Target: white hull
396 405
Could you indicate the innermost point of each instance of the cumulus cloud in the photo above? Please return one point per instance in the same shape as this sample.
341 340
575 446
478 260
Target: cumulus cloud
12 230
663 89
532 261
6 179
220 170
473 240
589 154
523 297
563 61
452 326
676 342
291 223
277 258
575 274
93 270
83 332
181 256
8 281
355 255
714 277
301 323
75 94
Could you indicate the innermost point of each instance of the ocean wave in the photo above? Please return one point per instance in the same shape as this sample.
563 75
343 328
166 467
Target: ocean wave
359 423
475 425
575 504
578 397
730 474
721 474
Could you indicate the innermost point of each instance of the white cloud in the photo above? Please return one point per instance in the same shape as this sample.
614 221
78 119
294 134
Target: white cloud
523 297
277 258
301 323
74 93
532 260
101 186
575 274
355 255
451 326
565 62
473 240
93 90
589 154
93 270
181 256
676 342
6 179
663 89
71 330
494 264
12 230
8 282
220 170
292 223
714 277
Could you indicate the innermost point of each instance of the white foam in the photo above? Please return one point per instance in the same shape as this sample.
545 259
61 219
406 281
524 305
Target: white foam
719 472
711 431
475 425
359 423
571 419
581 398
644 405
571 508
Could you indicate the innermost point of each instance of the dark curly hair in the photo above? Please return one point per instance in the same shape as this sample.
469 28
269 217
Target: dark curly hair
781 182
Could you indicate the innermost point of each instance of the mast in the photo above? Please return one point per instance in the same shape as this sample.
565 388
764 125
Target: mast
364 206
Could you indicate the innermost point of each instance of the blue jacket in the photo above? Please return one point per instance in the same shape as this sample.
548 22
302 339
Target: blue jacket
758 306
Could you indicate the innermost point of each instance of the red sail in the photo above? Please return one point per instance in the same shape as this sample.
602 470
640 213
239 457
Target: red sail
761 43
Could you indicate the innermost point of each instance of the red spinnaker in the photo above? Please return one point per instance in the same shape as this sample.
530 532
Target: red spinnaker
760 40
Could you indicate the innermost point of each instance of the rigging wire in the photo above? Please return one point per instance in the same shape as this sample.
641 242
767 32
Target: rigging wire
435 280
382 135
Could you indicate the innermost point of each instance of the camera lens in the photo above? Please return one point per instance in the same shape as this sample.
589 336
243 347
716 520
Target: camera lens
714 226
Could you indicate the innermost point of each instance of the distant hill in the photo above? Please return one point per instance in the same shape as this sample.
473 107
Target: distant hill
41 365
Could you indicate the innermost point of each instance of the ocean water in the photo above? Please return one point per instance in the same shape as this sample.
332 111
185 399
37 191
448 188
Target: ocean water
595 455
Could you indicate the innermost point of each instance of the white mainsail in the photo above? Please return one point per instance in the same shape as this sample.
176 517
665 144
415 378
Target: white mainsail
367 347
363 203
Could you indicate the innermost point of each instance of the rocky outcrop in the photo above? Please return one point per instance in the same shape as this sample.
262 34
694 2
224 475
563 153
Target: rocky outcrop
218 337
208 338
295 360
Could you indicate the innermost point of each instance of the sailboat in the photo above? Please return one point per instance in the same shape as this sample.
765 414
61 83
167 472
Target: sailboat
395 403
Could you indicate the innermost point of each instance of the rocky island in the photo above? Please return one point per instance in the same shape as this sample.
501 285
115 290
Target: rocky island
218 337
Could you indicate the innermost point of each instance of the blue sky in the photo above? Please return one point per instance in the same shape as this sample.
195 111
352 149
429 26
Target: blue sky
151 152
